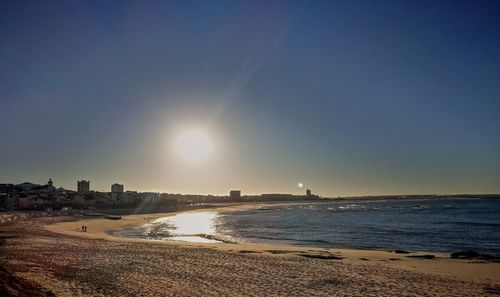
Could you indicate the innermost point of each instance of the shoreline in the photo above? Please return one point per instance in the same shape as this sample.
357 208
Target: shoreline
99 226
435 263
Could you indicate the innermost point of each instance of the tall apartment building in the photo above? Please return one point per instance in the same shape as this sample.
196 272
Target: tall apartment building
116 188
83 186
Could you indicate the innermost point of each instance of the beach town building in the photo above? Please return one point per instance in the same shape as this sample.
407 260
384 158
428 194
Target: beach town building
129 197
235 194
83 186
26 186
3 198
26 201
150 196
7 190
31 196
12 202
117 193
116 188
49 187
45 196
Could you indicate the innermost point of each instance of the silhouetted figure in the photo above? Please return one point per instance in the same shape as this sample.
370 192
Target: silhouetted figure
83 227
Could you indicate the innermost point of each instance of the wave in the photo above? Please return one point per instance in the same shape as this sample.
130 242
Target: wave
473 224
296 240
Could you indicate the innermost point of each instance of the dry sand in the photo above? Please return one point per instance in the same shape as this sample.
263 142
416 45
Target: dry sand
58 259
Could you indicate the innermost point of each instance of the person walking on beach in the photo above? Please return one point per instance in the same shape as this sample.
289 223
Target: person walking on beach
83 227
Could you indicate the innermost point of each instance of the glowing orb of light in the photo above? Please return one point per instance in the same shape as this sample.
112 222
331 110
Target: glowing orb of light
194 145
300 185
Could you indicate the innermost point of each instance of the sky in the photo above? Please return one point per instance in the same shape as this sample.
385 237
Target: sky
346 97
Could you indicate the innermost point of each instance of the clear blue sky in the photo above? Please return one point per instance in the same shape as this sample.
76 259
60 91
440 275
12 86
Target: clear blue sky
348 97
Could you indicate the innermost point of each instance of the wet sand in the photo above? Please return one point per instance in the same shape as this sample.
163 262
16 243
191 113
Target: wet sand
51 255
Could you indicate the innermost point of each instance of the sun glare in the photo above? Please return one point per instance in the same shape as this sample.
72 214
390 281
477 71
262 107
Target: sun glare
194 145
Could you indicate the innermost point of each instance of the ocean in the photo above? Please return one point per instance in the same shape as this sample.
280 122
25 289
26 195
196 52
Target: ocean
439 225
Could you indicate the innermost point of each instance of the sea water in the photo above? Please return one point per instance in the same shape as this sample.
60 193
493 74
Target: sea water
441 225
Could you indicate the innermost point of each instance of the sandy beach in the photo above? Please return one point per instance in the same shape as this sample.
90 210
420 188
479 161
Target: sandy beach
50 256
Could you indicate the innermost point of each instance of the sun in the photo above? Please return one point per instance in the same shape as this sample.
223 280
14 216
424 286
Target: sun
194 145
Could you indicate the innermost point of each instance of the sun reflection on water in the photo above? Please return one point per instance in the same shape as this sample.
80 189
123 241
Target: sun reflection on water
194 227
